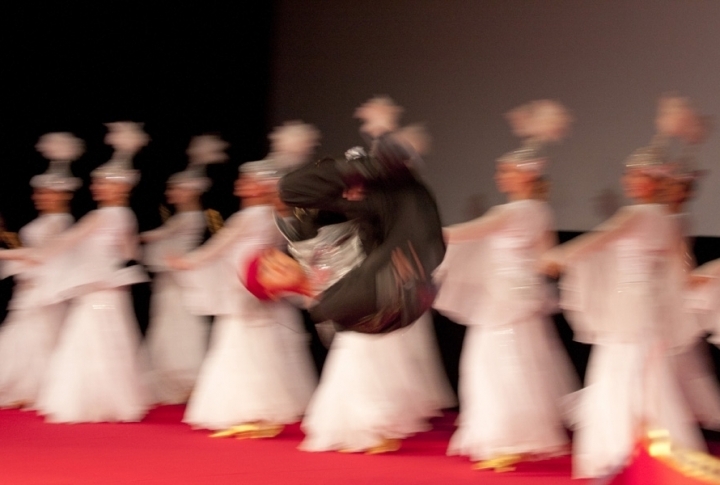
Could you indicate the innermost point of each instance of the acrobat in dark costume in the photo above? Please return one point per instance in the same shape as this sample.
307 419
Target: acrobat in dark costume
399 227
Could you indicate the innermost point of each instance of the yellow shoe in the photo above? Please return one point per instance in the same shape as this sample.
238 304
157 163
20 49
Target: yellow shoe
504 463
386 446
236 431
267 430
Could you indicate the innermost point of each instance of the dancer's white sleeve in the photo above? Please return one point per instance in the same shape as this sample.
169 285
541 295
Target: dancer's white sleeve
69 238
235 228
477 228
172 227
604 234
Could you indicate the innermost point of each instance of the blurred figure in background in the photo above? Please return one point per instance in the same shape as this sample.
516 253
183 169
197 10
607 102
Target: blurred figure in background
29 334
616 294
176 338
95 373
513 374
692 359
257 376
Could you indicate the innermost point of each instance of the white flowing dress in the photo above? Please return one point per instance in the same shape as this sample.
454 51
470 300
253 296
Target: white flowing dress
615 295
176 339
29 333
514 373
258 365
375 387
95 373
691 353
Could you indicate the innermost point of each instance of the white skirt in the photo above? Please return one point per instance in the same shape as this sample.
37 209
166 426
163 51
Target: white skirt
369 391
176 342
95 373
512 381
252 372
626 384
427 364
699 384
27 340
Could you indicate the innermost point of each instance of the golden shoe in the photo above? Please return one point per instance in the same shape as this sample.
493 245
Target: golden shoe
386 446
266 431
236 431
504 463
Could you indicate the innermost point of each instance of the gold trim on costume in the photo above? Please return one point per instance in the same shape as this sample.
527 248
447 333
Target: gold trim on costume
164 213
692 464
214 220
11 239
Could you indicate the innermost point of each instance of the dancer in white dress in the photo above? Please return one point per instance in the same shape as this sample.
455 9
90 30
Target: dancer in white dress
373 393
615 294
513 374
691 356
29 333
376 389
176 338
94 374
257 376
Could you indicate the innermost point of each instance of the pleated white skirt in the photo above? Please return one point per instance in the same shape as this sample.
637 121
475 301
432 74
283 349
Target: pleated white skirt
95 373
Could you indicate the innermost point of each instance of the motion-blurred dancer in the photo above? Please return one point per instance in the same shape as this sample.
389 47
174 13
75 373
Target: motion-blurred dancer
95 374
690 351
29 333
257 376
616 296
513 374
176 338
375 389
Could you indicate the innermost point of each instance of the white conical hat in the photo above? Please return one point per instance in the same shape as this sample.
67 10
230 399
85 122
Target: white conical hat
127 138
202 151
61 149
292 143
538 123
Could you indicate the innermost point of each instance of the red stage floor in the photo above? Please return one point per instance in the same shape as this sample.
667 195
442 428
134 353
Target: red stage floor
162 450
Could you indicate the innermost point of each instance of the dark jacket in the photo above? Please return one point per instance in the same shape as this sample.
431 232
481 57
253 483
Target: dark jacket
400 230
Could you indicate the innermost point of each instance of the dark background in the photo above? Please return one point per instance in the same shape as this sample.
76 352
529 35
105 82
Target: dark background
185 69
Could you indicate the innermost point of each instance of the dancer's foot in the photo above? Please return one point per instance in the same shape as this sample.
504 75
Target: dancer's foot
266 430
504 463
236 431
386 446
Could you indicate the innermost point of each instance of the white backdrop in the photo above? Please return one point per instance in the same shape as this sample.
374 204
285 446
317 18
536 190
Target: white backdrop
458 65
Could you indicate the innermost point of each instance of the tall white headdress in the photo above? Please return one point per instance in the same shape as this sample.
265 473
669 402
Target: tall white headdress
537 123
127 138
676 119
61 149
292 144
202 151
691 128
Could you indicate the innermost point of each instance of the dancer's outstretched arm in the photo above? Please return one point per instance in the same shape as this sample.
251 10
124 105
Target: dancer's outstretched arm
478 228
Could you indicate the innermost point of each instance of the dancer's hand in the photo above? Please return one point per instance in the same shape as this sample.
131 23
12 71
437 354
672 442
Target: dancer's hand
695 280
177 262
22 254
550 265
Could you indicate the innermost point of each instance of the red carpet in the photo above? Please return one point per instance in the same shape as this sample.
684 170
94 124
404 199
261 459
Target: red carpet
162 450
